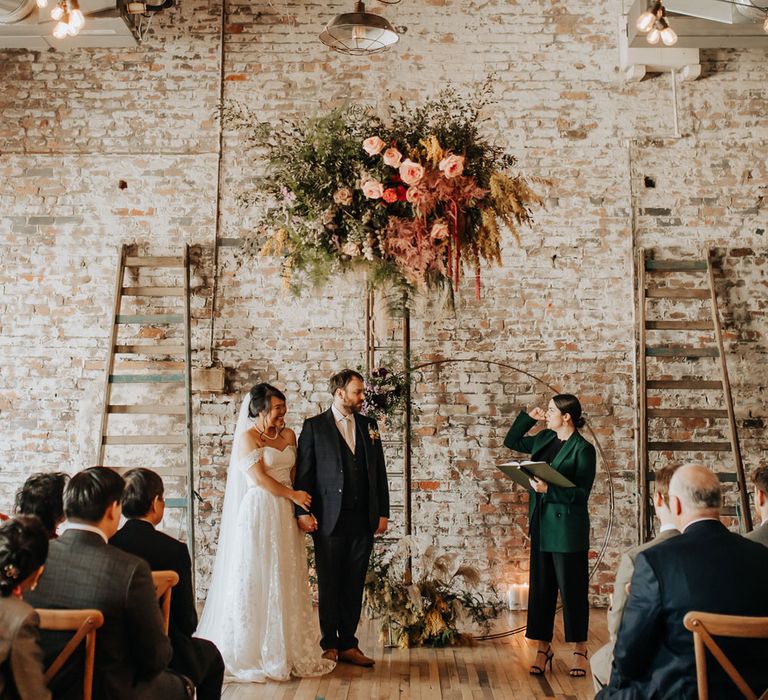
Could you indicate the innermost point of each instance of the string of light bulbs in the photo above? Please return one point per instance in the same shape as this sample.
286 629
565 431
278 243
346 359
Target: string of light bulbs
653 22
68 17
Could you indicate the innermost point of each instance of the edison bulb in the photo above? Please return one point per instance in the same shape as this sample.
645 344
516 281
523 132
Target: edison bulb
61 30
653 36
668 36
645 21
76 19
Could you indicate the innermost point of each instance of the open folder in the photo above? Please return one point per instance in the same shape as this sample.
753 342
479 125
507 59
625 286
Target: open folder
521 472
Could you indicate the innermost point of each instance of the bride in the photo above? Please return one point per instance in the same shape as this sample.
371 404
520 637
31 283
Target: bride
259 611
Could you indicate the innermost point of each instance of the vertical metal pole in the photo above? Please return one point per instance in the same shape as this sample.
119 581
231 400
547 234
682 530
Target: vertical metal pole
407 427
188 421
645 514
370 332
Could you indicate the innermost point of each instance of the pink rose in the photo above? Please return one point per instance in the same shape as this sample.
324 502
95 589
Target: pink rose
392 157
414 195
410 172
389 196
373 189
373 145
439 232
343 196
350 248
452 165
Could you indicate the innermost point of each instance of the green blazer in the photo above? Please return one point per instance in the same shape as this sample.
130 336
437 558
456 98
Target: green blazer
563 514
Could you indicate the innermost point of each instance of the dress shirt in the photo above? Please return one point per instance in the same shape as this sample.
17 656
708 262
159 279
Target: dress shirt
88 528
699 520
346 426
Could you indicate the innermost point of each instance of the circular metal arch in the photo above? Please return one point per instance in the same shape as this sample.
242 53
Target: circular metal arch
13 11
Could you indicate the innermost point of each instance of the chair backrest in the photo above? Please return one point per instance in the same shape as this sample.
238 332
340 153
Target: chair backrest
84 624
164 582
706 625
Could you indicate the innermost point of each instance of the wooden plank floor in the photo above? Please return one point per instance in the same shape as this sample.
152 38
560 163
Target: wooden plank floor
488 671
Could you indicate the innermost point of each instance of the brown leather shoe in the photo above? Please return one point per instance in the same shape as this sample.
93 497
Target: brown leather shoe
331 655
356 657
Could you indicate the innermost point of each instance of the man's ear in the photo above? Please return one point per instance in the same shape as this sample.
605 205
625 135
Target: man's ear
115 511
658 499
675 506
761 498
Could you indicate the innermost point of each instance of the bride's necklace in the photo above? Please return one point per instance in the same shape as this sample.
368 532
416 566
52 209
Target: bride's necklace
263 433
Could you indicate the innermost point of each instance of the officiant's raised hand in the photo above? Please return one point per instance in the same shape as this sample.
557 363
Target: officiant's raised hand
537 413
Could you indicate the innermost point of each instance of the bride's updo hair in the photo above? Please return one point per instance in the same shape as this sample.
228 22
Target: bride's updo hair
23 550
568 403
261 398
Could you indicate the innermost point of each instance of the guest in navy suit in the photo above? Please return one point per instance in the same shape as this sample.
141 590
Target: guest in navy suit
341 465
143 505
706 568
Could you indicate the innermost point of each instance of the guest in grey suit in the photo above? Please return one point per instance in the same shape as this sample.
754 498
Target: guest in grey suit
602 659
760 480
23 549
83 571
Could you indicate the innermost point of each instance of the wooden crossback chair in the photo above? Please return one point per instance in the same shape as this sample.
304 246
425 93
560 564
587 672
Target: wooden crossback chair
164 582
84 623
706 625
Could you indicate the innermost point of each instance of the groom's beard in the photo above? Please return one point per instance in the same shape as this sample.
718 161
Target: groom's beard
352 407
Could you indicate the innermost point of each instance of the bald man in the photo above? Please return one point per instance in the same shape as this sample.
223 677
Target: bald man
706 568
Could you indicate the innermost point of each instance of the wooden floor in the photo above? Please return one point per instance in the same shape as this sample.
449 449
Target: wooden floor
489 670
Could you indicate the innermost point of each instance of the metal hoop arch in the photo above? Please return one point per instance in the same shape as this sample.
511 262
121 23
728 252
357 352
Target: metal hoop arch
598 446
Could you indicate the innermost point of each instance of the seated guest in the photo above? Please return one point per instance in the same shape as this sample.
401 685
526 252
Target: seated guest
143 505
23 549
706 568
760 480
83 571
43 495
603 657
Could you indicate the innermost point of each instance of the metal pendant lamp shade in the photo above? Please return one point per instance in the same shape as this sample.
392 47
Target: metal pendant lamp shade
359 33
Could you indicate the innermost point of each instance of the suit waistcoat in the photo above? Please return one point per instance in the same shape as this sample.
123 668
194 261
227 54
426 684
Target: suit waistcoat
355 494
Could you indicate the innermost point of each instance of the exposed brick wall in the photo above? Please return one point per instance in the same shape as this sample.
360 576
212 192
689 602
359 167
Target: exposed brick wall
72 125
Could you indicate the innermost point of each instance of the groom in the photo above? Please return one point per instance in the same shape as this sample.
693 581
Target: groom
341 464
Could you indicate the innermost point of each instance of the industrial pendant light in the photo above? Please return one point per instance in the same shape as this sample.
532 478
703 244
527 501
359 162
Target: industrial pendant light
359 33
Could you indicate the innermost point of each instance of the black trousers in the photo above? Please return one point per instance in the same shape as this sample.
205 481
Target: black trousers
567 572
200 660
341 561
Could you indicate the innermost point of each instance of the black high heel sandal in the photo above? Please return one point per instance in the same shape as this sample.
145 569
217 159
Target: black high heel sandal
548 656
578 672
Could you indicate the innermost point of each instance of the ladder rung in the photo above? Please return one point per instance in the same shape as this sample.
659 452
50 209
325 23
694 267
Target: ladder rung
146 379
149 349
155 409
676 293
689 446
676 265
176 502
687 413
144 440
683 384
152 292
149 318
680 351
729 511
679 325
153 261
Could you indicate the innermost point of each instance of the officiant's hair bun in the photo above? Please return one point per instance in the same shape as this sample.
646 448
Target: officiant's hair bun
23 550
261 398
568 403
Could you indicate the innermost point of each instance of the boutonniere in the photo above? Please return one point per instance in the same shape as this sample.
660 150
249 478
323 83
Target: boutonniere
373 433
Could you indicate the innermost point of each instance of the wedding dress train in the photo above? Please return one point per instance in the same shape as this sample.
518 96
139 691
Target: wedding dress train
259 609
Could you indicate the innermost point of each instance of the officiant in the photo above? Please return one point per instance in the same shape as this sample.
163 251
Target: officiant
558 522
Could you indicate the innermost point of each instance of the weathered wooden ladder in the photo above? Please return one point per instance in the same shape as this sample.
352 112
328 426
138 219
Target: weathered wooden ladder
653 408
166 367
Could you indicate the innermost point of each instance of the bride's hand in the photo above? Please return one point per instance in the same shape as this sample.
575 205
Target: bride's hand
302 499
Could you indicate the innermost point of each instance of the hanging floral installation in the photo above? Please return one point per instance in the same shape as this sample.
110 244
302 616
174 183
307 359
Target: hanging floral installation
428 610
417 200
385 393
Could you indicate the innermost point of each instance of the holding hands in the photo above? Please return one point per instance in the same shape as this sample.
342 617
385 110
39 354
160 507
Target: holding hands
302 499
307 523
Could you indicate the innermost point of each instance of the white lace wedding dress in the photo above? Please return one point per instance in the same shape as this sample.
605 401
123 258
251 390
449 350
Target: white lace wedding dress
259 610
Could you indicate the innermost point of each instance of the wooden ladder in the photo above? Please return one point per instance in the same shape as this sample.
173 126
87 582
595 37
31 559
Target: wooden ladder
153 372
648 269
